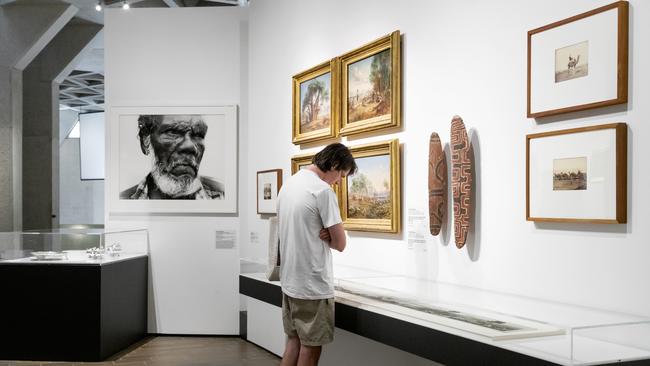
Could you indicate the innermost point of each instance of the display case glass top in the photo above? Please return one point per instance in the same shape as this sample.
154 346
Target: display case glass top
92 246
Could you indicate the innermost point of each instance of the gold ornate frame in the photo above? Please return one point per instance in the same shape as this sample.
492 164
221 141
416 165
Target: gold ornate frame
323 133
299 161
391 225
392 42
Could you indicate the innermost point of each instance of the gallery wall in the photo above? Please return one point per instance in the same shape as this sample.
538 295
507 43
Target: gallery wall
465 58
182 58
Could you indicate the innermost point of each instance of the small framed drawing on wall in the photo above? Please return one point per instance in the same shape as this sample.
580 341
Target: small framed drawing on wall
577 175
269 183
579 63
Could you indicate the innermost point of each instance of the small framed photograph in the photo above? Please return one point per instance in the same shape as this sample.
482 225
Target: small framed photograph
371 86
577 175
579 63
269 183
371 198
315 103
173 159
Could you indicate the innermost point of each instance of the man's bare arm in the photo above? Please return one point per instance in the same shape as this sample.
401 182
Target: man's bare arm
337 237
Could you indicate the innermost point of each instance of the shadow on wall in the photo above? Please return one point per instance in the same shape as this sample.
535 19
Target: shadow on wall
474 236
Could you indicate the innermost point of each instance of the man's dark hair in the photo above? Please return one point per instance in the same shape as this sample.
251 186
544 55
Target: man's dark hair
336 156
147 123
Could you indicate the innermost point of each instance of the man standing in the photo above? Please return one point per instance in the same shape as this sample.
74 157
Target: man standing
176 145
309 224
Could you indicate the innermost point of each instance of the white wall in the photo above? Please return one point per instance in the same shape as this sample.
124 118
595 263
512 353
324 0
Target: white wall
466 58
182 57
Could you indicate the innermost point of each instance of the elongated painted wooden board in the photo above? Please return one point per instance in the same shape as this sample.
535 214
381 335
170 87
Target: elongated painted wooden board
461 180
437 185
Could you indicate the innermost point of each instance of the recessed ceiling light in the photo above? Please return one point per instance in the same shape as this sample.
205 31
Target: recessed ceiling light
125 5
98 7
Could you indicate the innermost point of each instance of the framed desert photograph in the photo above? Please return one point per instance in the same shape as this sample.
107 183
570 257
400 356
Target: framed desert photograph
315 103
370 199
302 161
173 159
577 175
371 86
269 183
579 63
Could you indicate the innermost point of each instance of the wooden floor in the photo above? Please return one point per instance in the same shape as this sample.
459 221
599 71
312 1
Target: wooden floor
180 351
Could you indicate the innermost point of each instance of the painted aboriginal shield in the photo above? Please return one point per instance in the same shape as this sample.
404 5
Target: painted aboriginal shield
461 180
437 184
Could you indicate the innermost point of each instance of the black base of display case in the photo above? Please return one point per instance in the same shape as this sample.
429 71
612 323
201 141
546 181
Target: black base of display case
71 312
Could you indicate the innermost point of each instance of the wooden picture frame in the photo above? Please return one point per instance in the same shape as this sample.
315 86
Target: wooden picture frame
363 108
577 175
568 80
320 82
363 202
269 183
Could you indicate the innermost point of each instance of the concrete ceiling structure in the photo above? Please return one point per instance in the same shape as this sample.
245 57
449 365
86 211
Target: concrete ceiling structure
81 90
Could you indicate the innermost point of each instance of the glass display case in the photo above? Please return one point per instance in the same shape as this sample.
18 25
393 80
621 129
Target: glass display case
72 246
561 333
73 294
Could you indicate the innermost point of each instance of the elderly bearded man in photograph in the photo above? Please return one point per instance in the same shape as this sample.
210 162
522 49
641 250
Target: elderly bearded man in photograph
176 146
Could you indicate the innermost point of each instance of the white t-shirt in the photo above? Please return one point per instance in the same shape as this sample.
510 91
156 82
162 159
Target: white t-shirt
306 204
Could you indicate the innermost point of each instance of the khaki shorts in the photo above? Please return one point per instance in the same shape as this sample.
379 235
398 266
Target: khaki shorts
312 321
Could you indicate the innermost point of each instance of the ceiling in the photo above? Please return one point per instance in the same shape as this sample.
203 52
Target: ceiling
84 88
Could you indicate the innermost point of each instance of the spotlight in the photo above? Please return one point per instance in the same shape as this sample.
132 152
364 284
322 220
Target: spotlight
98 7
125 5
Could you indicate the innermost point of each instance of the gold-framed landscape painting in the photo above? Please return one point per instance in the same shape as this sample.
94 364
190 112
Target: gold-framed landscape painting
302 161
371 86
315 103
371 199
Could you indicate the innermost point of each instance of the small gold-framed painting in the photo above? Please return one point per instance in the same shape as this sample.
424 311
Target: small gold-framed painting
269 183
371 86
579 63
315 103
370 199
577 175
302 161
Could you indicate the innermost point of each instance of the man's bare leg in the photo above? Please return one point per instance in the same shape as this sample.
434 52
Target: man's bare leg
291 350
309 355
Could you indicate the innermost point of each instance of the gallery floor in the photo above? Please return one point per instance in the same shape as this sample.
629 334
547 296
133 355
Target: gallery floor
181 351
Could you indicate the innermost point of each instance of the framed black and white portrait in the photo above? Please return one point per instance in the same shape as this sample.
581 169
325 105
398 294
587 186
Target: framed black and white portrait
173 159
